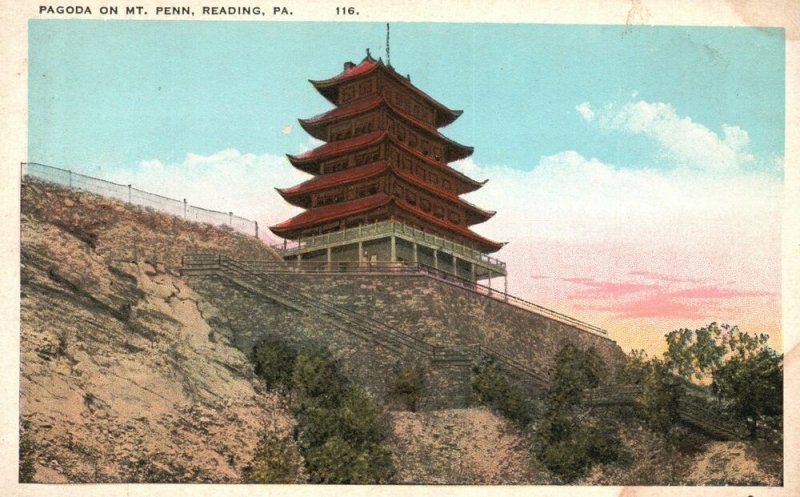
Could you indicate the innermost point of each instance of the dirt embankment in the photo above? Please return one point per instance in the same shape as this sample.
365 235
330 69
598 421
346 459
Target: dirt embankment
125 375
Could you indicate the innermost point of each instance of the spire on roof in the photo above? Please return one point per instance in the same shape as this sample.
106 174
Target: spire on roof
369 56
388 53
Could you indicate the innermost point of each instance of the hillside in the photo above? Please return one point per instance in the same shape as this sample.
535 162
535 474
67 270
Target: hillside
127 375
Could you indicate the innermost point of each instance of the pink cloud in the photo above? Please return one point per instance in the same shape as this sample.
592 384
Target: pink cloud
606 289
663 277
659 306
710 292
539 277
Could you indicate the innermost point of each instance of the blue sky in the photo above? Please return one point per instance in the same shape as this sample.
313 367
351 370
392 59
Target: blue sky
636 171
110 94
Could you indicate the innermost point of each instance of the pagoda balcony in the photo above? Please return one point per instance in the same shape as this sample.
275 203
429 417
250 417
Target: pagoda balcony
393 241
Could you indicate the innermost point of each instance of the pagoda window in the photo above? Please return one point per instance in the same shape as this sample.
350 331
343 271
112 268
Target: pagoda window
401 134
412 141
367 190
426 150
453 217
411 198
330 198
348 93
438 211
445 184
364 88
333 167
425 204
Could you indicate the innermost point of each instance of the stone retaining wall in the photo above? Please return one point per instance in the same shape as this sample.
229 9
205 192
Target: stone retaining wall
422 307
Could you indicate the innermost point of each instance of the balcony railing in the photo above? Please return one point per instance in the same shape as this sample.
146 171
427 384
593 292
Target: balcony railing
389 228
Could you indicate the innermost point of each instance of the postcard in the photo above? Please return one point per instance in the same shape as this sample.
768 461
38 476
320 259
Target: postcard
474 248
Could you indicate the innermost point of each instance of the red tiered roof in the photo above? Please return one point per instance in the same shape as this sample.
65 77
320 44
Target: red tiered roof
332 212
344 177
315 125
296 194
311 125
327 87
489 245
481 214
333 149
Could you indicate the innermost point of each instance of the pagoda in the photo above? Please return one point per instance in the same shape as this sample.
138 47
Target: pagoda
382 189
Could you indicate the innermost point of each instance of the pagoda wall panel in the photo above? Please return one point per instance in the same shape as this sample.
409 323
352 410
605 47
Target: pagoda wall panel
360 88
357 125
427 172
405 100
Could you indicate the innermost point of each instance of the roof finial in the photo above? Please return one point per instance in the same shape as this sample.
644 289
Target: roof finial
388 53
368 54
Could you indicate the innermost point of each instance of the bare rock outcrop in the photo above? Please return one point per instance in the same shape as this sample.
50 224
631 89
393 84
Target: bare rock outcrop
125 375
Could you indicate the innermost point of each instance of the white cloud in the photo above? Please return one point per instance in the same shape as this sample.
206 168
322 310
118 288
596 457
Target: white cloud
585 110
227 181
674 220
684 142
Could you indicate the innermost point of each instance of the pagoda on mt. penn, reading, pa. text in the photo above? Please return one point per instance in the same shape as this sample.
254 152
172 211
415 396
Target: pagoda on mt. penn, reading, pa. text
382 189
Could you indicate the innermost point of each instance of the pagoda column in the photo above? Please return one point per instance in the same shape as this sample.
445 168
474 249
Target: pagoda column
472 272
360 249
435 259
416 259
393 253
328 254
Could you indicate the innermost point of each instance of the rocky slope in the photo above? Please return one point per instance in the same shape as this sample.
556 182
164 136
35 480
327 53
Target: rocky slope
461 447
125 376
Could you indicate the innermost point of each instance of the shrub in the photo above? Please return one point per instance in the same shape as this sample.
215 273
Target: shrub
27 471
407 388
339 461
341 431
273 361
317 376
273 462
492 388
569 446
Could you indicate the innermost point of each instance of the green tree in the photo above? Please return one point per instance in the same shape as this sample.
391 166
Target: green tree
570 439
491 387
273 361
696 354
753 384
341 430
660 396
575 371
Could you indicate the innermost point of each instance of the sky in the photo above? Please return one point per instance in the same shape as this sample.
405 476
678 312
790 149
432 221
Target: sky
637 172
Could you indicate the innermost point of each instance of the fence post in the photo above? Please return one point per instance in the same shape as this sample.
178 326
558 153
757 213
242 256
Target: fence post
256 223
129 194
70 177
230 219
184 209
